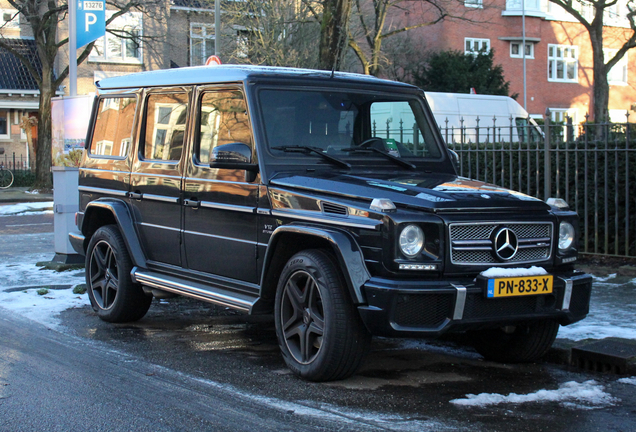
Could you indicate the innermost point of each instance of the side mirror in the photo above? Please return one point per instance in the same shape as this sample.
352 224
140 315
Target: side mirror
454 157
236 156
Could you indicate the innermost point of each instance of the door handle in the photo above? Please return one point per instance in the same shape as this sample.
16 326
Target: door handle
134 195
191 203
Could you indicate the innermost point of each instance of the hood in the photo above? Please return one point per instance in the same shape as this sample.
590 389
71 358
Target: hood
434 192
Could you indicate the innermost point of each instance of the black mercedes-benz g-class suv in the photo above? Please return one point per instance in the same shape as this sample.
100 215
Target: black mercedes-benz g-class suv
294 192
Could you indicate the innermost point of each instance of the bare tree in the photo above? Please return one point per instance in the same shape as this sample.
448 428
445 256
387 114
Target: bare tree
44 18
272 32
592 14
374 24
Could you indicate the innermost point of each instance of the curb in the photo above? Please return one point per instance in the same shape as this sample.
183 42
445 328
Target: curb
561 353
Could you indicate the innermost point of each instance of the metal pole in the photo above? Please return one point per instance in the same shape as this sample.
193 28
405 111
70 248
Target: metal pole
523 48
217 27
72 47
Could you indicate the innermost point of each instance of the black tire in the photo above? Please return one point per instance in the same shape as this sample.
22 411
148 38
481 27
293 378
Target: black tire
525 343
320 333
111 291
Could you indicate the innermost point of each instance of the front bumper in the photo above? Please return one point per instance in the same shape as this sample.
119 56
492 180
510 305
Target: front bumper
416 308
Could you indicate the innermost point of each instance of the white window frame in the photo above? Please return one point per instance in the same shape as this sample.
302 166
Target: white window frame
207 33
520 53
129 20
620 68
14 23
479 41
474 4
561 54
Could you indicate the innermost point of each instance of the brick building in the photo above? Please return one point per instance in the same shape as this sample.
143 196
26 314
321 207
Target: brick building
558 53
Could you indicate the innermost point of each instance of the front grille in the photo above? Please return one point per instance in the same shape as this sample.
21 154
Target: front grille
423 310
472 243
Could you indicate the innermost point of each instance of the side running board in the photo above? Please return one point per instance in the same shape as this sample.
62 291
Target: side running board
199 291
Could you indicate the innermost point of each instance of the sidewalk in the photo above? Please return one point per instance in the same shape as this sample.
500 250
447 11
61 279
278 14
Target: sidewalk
21 194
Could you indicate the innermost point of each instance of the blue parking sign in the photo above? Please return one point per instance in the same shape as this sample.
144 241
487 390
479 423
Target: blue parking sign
91 20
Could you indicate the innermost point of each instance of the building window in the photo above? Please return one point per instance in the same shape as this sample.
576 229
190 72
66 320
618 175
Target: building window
475 46
474 3
5 131
9 18
515 50
563 63
122 42
617 74
201 43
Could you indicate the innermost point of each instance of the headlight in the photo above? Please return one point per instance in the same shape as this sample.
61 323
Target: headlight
566 236
411 240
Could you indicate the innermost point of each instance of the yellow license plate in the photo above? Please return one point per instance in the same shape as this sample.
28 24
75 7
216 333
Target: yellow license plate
519 286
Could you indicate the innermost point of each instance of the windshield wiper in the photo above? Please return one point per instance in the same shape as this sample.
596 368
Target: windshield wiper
389 156
307 149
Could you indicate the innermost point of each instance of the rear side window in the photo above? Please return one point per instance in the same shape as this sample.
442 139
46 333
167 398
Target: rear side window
166 116
112 134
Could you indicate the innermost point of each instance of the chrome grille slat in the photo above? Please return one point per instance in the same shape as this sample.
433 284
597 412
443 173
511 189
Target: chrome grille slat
471 243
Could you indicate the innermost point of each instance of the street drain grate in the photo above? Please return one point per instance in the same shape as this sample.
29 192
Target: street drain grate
604 356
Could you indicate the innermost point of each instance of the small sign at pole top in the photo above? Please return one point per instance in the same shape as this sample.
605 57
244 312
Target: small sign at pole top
213 60
91 21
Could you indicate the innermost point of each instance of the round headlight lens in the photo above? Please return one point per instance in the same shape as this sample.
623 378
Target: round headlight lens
566 236
411 240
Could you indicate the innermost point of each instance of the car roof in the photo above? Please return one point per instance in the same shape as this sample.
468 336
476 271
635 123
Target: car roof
230 73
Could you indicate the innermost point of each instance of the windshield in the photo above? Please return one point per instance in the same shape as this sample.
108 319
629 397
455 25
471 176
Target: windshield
346 125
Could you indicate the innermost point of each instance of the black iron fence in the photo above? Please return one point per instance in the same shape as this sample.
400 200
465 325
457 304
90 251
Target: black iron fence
15 162
23 175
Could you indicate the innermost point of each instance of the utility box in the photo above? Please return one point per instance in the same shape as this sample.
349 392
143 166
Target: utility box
65 205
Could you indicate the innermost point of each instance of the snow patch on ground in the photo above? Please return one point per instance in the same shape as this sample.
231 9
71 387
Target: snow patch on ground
631 380
498 272
42 308
612 311
27 208
24 273
437 347
586 395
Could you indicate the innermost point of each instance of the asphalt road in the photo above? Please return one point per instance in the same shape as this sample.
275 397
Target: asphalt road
26 224
193 366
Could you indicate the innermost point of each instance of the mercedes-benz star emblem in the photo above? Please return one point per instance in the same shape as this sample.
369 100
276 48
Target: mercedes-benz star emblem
506 244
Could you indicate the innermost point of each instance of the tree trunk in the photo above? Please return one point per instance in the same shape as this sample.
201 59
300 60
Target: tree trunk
600 86
334 33
43 179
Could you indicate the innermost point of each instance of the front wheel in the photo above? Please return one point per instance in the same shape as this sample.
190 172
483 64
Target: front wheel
516 344
319 330
111 290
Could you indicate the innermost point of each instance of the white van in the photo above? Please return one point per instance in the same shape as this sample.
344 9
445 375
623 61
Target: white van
483 116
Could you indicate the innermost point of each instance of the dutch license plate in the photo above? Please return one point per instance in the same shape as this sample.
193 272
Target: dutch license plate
519 286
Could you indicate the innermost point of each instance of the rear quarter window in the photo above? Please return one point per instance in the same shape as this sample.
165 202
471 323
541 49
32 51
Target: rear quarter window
112 134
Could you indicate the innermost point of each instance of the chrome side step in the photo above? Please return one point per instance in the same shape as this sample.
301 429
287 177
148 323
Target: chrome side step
193 289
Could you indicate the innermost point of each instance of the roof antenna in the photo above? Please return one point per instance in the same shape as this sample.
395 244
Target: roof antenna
338 53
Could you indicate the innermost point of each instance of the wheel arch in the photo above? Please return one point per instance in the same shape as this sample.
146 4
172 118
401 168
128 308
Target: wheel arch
113 212
288 240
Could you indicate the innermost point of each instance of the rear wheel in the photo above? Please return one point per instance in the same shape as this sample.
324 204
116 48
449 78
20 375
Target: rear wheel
111 291
319 330
6 178
517 344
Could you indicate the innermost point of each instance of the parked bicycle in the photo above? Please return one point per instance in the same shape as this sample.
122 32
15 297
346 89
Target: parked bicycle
6 177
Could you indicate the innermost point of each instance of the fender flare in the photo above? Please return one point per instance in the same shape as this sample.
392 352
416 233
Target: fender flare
120 211
346 249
